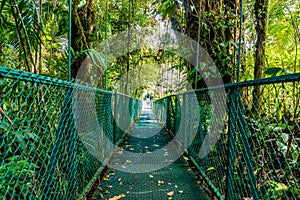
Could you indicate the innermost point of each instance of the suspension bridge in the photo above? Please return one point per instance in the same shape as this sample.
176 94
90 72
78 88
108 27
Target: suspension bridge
66 140
43 155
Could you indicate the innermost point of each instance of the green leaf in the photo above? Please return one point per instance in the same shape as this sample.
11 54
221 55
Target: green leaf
210 169
277 71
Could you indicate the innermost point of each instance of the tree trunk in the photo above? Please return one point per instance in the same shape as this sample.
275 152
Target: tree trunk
261 27
83 22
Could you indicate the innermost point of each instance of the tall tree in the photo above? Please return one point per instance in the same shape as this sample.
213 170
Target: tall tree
261 26
20 22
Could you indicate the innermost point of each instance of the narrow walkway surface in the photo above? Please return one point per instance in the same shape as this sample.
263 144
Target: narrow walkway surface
174 179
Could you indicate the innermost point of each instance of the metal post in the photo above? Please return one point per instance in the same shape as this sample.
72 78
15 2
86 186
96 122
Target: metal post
230 195
246 150
72 153
58 142
184 113
175 115
114 119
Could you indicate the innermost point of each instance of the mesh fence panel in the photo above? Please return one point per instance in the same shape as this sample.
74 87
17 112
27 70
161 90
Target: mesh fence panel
42 155
257 153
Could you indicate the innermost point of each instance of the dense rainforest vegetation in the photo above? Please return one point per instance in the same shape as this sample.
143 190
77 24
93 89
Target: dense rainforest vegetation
247 40
34 37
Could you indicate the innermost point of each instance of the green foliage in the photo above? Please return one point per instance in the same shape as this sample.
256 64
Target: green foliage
15 171
31 111
21 29
277 71
282 47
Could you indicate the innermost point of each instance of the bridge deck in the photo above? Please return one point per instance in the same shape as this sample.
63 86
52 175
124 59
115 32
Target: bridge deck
174 181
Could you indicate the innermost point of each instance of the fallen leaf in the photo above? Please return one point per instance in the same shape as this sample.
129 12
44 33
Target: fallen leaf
160 182
109 186
210 169
106 192
176 186
151 176
223 179
116 197
180 191
120 152
170 193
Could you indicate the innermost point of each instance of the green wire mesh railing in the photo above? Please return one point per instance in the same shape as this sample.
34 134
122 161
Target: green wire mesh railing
256 155
42 155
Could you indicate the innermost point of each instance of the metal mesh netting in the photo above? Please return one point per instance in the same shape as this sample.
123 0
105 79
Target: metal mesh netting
42 155
257 153
173 176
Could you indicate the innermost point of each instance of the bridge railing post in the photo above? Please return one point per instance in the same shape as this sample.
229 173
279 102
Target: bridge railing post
168 117
57 146
65 131
114 118
237 136
175 115
246 150
230 185
184 116
72 149
172 110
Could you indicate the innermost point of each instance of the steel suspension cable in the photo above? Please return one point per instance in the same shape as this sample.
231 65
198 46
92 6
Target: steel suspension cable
240 41
69 40
106 44
121 66
198 45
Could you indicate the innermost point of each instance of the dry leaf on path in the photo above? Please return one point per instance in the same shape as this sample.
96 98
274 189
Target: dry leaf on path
117 197
170 193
